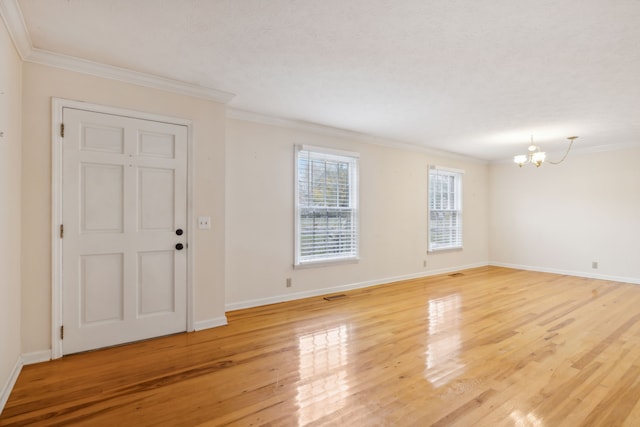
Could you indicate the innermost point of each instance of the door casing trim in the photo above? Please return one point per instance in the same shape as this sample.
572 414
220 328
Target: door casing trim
57 106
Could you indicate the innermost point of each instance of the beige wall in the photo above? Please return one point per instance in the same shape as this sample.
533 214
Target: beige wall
393 223
562 218
41 83
10 153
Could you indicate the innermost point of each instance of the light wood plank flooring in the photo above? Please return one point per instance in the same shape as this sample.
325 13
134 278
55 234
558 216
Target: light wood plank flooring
489 347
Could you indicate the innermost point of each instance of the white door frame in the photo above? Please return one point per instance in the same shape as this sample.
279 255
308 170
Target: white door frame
57 104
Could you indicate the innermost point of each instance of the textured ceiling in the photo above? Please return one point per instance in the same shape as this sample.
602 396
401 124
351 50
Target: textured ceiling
475 77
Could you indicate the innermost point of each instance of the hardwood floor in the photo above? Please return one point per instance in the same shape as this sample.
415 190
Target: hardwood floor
490 347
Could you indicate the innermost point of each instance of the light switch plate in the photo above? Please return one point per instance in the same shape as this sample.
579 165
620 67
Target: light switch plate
204 222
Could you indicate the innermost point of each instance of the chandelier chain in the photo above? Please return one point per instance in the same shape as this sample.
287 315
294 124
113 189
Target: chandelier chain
571 138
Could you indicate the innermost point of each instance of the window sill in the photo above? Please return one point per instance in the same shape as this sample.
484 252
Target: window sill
439 250
325 263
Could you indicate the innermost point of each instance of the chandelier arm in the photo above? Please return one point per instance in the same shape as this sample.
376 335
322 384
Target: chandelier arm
565 154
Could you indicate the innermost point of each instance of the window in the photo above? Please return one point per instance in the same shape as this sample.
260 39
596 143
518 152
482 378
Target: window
445 208
326 205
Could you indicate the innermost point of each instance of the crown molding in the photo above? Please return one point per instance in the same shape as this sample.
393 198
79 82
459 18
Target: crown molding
12 16
579 151
13 19
603 148
300 125
250 116
97 69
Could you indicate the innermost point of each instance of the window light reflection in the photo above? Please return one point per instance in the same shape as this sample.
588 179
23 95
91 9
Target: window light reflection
528 420
444 340
322 365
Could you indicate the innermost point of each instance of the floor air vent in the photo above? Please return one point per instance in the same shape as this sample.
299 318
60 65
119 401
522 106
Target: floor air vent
335 297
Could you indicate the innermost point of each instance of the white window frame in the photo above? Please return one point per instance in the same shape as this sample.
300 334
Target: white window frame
454 205
352 158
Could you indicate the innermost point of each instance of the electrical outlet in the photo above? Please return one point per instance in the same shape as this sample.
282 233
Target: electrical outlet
288 282
424 263
594 265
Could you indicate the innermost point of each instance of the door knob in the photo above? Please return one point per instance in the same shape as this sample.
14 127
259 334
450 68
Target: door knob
179 246
179 231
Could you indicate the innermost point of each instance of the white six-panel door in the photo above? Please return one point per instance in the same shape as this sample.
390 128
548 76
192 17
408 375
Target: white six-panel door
124 211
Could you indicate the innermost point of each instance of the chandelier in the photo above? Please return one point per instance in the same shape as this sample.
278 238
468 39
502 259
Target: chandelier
537 156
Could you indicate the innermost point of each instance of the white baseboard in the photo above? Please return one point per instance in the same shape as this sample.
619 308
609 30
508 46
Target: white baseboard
632 280
36 357
210 323
359 285
23 360
11 381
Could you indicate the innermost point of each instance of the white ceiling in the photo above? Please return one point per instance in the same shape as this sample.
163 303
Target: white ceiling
475 77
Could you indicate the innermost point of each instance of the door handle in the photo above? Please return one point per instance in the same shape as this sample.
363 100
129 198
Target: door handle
179 231
179 246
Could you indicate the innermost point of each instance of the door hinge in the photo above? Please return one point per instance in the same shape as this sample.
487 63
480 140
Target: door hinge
62 130
62 231
62 332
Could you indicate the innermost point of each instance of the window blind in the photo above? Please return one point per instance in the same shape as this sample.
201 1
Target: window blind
326 205
445 208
